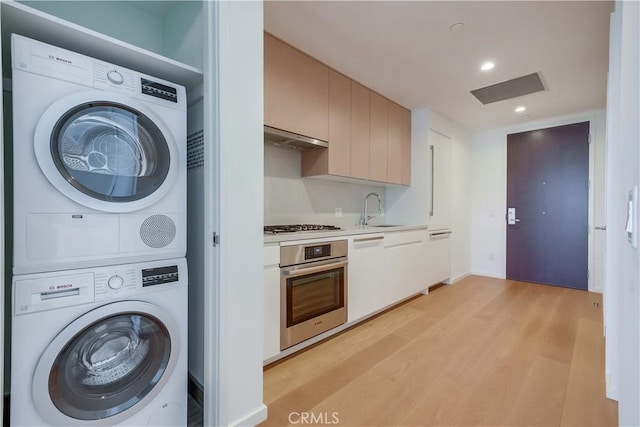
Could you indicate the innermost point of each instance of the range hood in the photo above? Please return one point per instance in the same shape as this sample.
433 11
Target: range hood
283 138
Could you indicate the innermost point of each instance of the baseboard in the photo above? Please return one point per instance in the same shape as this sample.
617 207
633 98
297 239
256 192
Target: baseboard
458 278
258 416
486 274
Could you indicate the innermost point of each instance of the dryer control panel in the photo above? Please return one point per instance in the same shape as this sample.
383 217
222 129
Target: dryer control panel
35 57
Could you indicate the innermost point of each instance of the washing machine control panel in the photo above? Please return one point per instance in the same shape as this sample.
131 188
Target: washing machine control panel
115 77
159 275
112 283
47 291
115 282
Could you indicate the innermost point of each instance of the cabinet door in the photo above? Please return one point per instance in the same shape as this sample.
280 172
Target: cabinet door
406 147
366 275
438 259
394 142
440 208
339 124
271 326
404 259
296 90
359 131
378 138
271 311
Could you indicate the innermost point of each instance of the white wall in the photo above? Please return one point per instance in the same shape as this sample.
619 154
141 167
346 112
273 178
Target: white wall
489 192
184 21
118 19
411 205
3 286
622 302
170 28
238 48
460 203
488 202
291 199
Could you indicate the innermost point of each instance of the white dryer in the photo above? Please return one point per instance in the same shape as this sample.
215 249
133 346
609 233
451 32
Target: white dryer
101 346
99 162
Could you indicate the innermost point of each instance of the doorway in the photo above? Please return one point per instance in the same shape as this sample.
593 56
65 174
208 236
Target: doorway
548 206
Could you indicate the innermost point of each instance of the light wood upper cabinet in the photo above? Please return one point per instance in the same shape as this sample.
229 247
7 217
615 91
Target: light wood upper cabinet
369 136
406 147
360 131
335 160
378 138
394 143
296 90
339 124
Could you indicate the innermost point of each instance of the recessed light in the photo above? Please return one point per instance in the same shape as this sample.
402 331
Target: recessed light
487 66
520 109
458 27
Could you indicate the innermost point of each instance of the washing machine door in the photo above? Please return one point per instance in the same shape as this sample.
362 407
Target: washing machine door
106 151
106 365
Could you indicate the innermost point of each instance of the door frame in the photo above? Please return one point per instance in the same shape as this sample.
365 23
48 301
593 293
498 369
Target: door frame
2 239
597 137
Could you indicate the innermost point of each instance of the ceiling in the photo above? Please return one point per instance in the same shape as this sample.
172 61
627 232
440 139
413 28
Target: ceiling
406 51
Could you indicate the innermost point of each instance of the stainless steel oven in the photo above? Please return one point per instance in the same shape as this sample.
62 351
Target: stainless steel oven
313 289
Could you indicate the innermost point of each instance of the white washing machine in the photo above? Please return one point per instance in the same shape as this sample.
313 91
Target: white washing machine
99 162
101 346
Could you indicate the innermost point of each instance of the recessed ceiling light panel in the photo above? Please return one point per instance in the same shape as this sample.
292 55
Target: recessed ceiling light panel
458 27
520 109
487 66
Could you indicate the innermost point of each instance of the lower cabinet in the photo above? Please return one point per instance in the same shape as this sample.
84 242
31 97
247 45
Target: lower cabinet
366 275
438 256
384 268
405 267
271 300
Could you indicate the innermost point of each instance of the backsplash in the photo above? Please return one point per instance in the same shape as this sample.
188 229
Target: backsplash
291 199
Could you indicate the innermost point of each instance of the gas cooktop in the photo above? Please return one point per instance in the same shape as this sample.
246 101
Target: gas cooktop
294 228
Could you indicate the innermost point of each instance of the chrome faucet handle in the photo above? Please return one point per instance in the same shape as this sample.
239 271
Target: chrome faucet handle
368 218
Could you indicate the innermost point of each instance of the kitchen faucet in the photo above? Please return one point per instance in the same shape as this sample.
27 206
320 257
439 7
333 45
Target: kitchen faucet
364 218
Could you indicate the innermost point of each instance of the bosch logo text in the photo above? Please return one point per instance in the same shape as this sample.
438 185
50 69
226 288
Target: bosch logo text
57 58
65 286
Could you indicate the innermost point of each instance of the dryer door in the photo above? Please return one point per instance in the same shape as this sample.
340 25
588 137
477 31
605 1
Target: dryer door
106 365
105 151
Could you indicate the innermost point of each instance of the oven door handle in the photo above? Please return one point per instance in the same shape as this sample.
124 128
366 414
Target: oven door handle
301 270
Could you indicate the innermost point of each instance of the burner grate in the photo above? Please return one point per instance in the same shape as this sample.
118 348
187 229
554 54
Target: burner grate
294 228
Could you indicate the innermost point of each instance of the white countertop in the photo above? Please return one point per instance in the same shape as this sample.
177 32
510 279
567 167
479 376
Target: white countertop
347 231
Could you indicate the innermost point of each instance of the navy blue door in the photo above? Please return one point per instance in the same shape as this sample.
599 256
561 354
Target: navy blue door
548 186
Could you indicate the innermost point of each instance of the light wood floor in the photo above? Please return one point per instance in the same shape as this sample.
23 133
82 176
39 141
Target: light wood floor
480 352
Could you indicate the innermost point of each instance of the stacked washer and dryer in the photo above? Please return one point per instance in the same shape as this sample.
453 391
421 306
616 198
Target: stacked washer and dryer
99 332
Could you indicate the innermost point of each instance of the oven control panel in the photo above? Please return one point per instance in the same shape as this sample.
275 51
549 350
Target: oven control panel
318 251
312 252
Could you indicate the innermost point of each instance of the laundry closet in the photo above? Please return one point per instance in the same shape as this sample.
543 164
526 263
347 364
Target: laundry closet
189 74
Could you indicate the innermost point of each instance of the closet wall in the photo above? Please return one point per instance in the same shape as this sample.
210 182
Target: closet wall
200 45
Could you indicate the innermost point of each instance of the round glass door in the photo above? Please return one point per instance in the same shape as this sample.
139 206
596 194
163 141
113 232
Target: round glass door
109 366
107 151
110 151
